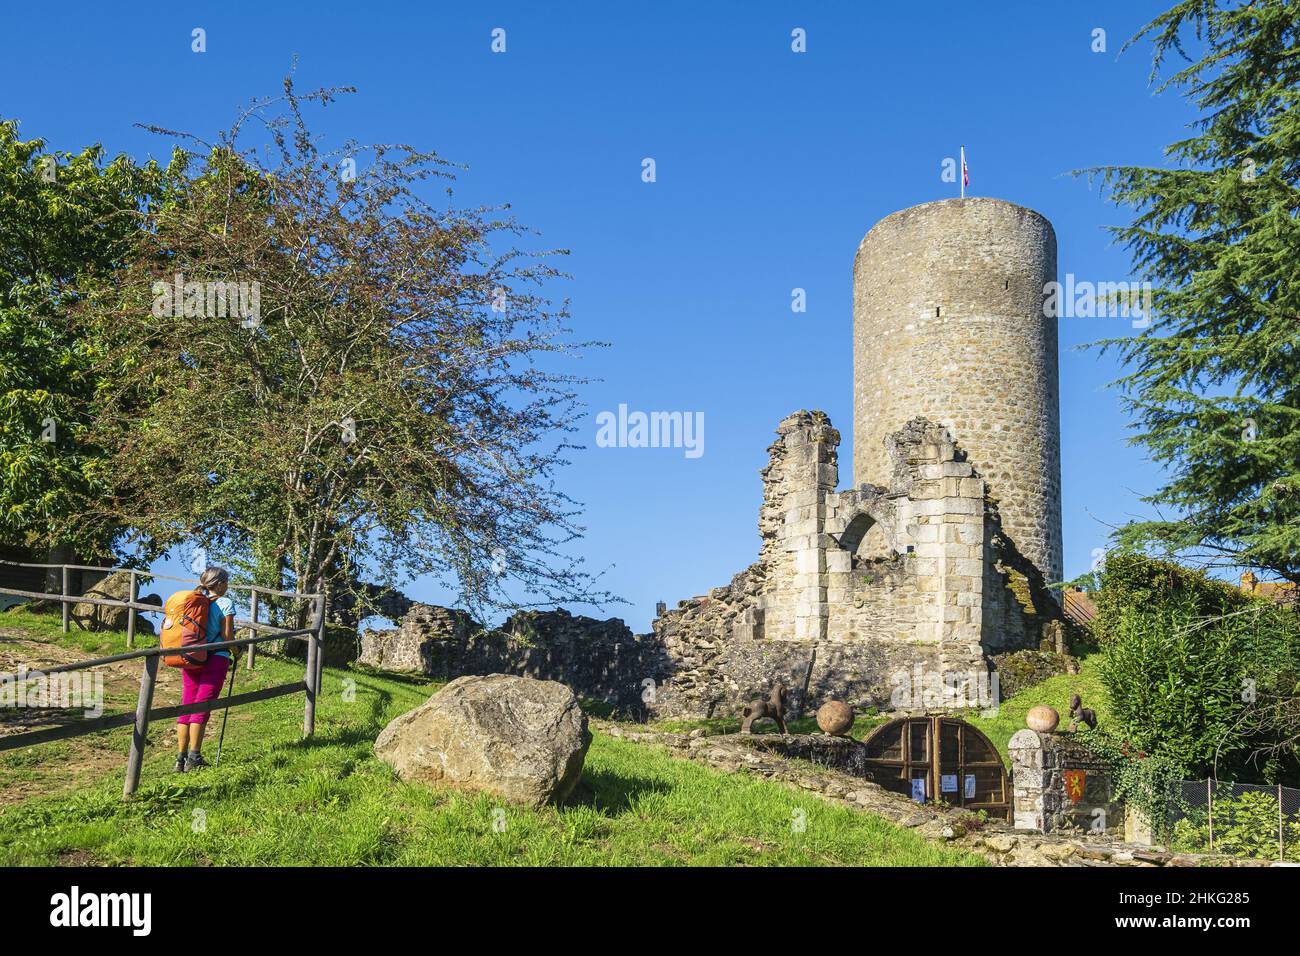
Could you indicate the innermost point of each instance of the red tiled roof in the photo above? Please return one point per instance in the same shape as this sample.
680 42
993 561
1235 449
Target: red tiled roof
1078 607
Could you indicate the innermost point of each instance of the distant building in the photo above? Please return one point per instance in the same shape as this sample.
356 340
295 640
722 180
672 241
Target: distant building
1279 592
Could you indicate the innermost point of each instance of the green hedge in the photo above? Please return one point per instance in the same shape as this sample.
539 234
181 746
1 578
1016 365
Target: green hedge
1197 671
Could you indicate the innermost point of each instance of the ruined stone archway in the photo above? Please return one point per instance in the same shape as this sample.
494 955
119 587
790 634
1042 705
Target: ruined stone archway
866 539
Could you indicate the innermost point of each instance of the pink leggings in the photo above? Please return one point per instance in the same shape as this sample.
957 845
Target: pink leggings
201 685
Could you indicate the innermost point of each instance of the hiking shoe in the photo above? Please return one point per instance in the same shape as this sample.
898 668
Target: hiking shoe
194 760
180 763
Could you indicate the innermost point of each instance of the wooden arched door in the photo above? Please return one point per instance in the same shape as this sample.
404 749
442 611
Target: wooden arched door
940 759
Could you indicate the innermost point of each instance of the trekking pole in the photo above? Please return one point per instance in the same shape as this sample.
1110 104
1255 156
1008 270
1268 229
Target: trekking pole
234 666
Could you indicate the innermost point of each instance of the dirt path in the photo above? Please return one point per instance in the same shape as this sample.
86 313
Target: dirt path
66 765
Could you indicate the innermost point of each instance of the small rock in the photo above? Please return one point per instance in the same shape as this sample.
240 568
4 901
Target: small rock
1058 851
1000 843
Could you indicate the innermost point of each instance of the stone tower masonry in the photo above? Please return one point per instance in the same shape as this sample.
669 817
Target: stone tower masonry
948 323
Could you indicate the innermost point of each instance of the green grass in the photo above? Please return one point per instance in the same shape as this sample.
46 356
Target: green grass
1054 692
279 800
49 627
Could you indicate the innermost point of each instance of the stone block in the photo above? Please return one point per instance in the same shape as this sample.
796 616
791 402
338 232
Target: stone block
925 491
807 628
962 506
800 526
925 533
811 560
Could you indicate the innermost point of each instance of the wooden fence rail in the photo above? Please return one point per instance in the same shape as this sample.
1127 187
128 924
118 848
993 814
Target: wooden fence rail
144 709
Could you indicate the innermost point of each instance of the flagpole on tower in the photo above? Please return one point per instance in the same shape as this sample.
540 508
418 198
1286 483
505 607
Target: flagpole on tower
963 172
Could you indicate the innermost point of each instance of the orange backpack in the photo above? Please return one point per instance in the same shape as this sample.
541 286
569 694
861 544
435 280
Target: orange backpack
185 625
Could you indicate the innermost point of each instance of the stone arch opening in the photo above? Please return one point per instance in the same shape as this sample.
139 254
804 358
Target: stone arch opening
865 539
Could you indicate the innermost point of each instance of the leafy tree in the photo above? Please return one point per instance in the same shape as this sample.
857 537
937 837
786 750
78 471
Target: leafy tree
66 220
373 400
1214 386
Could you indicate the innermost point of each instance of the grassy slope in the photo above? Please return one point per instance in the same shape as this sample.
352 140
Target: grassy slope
279 800
1054 692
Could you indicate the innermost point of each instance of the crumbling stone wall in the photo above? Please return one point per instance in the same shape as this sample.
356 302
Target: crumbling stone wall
855 587
853 591
601 660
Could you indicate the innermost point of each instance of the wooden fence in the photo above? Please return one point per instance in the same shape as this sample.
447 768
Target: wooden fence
144 709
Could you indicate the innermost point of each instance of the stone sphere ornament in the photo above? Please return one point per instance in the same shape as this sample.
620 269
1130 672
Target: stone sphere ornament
1042 719
835 718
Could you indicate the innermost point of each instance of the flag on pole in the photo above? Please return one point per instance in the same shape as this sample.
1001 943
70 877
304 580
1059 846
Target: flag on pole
965 173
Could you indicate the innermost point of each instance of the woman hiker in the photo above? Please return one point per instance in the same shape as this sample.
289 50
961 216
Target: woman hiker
205 684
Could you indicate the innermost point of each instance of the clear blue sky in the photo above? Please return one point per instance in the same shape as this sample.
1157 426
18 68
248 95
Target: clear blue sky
771 166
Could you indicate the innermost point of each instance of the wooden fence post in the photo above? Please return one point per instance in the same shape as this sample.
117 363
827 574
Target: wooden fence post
309 678
252 648
140 734
320 644
67 608
130 615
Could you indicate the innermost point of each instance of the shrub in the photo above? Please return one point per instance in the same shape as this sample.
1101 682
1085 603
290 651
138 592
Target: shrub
1197 671
1146 783
1244 825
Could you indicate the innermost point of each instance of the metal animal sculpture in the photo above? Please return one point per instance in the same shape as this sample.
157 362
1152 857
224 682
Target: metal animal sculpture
773 709
1079 713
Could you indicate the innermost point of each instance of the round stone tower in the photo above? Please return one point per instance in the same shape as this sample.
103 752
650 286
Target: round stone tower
948 324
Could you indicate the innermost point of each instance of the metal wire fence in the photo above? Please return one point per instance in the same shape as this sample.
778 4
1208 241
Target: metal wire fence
1255 820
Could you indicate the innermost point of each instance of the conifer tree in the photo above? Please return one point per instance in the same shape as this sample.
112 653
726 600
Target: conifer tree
1213 384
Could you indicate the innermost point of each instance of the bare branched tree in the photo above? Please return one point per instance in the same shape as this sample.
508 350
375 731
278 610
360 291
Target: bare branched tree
320 376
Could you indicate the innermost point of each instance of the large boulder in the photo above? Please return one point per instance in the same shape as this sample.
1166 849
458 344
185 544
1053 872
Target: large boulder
102 617
516 738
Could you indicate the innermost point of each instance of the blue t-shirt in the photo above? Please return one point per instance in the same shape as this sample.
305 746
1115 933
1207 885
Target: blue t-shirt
220 609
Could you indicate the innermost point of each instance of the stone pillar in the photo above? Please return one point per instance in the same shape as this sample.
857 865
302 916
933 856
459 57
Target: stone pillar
803 468
1037 788
943 513
1039 766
